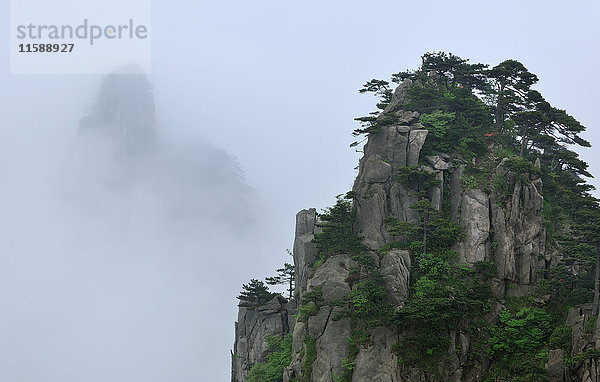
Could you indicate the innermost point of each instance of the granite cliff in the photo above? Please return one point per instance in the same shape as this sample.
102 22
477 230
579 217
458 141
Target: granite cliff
497 202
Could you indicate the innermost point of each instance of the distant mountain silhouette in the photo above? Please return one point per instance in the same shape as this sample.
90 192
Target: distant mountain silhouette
119 153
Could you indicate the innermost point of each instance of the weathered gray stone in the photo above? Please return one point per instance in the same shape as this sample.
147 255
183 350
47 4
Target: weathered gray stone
251 329
376 170
463 341
305 251
317 323
398 98
389 144
416 139
436 192
555 368
378 362
370 216
456 192
400 201
517 246
519 236
395 269
438 163
331 277
475 220
407 117
503 240
331 348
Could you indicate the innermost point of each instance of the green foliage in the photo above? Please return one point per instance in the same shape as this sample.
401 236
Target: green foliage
518 343
279 355
501 188
443 294
336 236
310 355
479 175
358 337
590 325
566 289
423 347
521 166
367 298
561 338
417 179
469 181
434 230
311 302
483 115
255 293
518 335
589 353
307 310
437 122
315 295
366 302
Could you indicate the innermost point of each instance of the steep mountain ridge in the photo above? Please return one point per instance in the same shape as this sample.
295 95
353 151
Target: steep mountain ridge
494 207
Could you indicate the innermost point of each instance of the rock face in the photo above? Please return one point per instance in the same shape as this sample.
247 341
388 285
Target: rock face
395 269
305 251
378 362
475 220
585 337
378 194
324 328
501 224
254 324
519 234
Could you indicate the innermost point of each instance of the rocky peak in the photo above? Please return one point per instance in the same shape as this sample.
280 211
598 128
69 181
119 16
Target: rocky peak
500 226
123 115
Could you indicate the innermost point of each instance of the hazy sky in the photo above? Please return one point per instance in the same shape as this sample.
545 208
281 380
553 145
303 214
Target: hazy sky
273 83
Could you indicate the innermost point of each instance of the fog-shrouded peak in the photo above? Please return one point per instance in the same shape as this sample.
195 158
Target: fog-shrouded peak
123 114
121 151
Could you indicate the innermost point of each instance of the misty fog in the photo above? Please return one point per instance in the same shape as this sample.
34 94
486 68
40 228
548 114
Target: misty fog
119 265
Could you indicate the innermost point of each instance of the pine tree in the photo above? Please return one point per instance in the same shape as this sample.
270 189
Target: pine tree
285 277
255 293
512 82
583 243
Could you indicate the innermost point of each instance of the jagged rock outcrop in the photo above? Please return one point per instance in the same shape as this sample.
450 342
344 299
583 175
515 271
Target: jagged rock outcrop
305 251
324 327
519 234
501 220
475 220
395 269
379 194
585 347
254 324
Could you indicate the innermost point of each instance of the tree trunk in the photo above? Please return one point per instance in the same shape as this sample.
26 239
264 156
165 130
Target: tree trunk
499 110
596 288
523 144
524 141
